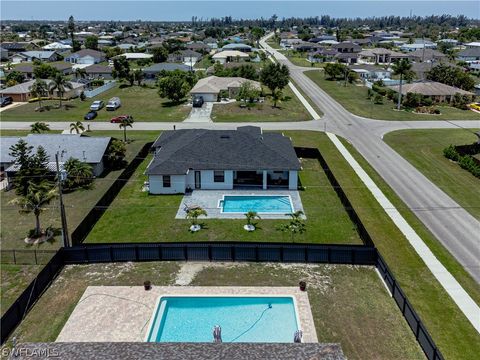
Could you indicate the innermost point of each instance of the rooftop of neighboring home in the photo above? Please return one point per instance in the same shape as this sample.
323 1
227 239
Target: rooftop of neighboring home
427 54
230 53
28 68
470 52
237 46
197 46
214 84
24 88
98 69
246 148
38 54
135 56
381 51
14 46
473 44
57 46
368 67
155 68
430 88
85 148
210 40
189 53
347 45
88 52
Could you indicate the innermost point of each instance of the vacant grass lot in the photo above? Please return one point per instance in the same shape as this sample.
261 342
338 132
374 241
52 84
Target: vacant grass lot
15 279
354 99
154 217
143 103
301 60
349 304
290 109
424 150
273 44
14 226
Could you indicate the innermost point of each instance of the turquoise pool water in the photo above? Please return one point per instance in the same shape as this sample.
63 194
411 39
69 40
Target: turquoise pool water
259 203
242 319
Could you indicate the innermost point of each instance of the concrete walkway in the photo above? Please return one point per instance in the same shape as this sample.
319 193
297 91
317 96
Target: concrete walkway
200 114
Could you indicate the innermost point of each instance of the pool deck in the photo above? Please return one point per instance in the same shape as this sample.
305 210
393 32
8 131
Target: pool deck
123 313
208 200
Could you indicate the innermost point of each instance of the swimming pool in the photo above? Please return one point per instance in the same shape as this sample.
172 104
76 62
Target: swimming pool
241 318
271 204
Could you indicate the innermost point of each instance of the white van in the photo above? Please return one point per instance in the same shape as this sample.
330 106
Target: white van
113 104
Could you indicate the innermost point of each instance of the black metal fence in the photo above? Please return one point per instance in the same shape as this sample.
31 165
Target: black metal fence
314 153
26 257
408 312
221 251
83 229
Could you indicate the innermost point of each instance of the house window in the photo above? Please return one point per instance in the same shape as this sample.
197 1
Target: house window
167 181
219 176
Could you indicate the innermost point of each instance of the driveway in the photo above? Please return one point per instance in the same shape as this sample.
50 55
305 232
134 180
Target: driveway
200 115
12 105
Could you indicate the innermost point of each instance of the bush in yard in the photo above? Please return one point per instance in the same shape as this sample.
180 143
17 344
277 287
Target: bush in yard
334 70
451 153
391 94
79 174
115 154
82 96
461 101
412 100
247 92
369 93
378 99
467 162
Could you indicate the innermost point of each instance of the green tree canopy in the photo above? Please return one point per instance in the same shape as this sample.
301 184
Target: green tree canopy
275 76
175 85
160 54
451 75
335 70
91 42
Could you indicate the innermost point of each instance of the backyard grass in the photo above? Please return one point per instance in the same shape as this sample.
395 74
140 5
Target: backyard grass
451 331
14 226
143 103
15 279
291 109
424 150
154 216
354 99
349 304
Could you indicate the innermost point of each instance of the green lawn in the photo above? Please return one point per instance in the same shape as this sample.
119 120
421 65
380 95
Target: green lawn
273 44
291 109
301 60
154 216
15 279
451 331
424 150
349 304
14 226
143 103
204 63
354 99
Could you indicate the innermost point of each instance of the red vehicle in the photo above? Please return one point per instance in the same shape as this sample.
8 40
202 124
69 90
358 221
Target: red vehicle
118 119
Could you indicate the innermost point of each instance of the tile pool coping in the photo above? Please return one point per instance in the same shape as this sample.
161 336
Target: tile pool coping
255 195
124 313
208 200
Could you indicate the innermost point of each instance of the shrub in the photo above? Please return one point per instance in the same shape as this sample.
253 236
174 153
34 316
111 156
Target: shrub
378 99
451 153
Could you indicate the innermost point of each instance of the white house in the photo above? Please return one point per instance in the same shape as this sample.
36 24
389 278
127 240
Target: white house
209 88
229 55
86 56
245 158
58 46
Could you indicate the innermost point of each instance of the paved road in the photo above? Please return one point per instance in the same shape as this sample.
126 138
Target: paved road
453 226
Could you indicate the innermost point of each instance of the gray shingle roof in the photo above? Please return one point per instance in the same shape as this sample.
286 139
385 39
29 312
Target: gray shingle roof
155 68
85 148
182 351
246 148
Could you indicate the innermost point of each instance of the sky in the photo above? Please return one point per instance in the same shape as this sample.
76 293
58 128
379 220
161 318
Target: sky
158 10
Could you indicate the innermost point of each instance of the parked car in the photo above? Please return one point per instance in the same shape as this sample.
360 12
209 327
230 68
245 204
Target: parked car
113 104
92 114
119 119
6 100
197 101
97 105
475 106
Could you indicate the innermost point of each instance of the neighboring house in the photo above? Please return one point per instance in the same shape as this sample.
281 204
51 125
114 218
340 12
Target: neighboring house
21 92
305 46
474 44
97 71
379 56
321 38
347 47
86 56
212 43
371 72
322 55
226 56
27 69
185 56
84 148
289 43
29 56
418 46
469 54
222 160
198 47
210 87
14 47
152 71
58 47
437 91
3 54
430 55
136 56
237 47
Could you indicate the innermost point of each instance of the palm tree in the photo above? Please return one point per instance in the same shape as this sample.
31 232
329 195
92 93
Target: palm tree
127 121
60 83
401 68
38 195
296 224
251 215
193 215
79 173
39 89
80 73
77 127
39 127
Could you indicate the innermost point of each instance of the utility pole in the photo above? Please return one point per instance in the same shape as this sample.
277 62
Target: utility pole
62 207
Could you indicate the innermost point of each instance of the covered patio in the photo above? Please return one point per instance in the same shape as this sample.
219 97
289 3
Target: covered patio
265 179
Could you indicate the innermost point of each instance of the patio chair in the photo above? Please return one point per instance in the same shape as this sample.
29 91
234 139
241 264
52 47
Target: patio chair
188 208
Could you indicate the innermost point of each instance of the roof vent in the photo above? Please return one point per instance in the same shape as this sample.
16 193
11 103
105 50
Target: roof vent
225 137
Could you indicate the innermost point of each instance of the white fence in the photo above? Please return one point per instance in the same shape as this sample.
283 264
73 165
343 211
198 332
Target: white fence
107 86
